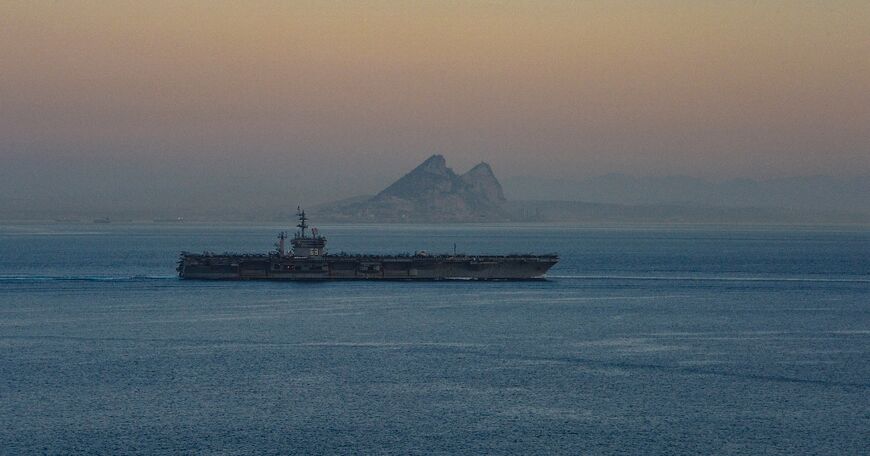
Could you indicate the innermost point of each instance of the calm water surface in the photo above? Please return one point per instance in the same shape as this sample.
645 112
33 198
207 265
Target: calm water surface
644 341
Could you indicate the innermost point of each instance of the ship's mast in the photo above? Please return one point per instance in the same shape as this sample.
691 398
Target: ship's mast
302 221
305 246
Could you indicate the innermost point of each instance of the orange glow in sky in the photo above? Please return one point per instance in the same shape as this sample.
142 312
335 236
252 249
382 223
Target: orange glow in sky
562 88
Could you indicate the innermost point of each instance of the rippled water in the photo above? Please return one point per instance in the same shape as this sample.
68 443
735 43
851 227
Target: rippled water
644 341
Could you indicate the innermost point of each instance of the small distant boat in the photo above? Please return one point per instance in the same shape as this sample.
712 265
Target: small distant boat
102 220
169 220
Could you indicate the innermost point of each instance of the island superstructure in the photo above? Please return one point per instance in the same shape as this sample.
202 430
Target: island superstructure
309 260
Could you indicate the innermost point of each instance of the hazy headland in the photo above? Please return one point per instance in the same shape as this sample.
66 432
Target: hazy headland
433 193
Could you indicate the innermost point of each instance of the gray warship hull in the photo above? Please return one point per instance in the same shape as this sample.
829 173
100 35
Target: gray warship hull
364 267
309 261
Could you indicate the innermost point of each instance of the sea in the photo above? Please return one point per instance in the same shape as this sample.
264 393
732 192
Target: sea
735 340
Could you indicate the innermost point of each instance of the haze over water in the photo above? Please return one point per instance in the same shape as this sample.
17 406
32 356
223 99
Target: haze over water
231 105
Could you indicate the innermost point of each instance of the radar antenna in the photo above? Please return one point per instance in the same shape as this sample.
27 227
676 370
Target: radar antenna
302 221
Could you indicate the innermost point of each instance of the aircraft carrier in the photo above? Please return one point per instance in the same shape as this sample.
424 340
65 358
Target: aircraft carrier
308 260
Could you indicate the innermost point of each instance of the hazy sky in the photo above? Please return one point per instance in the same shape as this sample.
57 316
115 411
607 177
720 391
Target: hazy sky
326 99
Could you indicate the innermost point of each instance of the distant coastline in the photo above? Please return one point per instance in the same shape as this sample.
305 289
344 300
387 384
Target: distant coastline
434 193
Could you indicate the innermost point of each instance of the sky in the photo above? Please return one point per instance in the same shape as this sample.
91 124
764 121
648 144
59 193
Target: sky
308 100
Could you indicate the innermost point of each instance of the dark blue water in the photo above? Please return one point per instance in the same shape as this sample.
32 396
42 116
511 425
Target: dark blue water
644 341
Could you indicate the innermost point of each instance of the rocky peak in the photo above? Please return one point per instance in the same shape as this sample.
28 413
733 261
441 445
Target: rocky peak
435 164
433 192
429 178
482 181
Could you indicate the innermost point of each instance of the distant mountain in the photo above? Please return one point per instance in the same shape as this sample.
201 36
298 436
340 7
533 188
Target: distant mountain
807 193
482 182
430 192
